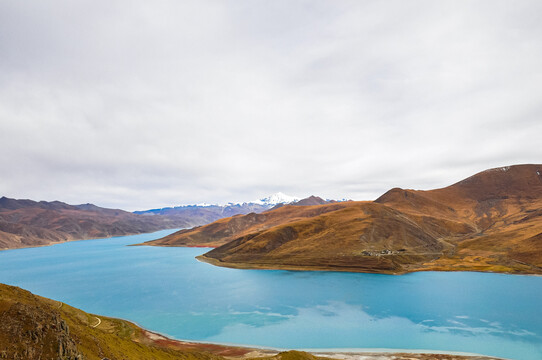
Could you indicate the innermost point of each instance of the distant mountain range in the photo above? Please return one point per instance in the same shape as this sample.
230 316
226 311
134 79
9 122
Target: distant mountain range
206 213
491 221
26 223
231 208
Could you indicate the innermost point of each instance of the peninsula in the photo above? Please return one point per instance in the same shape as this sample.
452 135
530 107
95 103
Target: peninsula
491 221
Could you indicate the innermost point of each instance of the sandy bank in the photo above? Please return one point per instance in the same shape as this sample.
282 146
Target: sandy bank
239 352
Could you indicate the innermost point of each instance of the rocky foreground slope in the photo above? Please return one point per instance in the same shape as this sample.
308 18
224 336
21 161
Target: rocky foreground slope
32 328
491 221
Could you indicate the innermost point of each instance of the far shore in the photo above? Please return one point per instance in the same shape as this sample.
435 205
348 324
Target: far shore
51 243
291 267
148 243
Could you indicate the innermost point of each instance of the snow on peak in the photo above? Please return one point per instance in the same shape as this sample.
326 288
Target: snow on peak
204 204
278 198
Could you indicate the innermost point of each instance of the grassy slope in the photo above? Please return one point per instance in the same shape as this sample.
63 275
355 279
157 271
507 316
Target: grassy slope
34 327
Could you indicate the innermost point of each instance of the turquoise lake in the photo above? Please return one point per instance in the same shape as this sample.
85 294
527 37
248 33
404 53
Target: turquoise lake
168 291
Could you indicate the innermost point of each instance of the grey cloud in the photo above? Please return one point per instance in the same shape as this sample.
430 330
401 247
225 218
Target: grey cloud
136 105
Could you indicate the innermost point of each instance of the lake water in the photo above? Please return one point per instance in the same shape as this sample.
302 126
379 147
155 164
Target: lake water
168 291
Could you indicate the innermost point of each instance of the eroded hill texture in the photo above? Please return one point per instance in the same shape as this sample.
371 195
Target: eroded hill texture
491 221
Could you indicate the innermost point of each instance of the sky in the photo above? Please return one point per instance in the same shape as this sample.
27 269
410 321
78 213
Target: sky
144 104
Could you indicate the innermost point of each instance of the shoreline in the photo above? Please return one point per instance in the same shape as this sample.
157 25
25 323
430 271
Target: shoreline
244 266
243 351
52 243
174 246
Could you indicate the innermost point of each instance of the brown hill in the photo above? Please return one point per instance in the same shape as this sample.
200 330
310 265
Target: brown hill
491 221
227 229
504 205
359 236
311 200
26 223
205 214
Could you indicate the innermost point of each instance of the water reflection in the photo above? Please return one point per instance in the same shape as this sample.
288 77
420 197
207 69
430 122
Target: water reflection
167 290
344 325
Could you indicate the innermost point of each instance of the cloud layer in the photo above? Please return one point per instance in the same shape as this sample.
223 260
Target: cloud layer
136 105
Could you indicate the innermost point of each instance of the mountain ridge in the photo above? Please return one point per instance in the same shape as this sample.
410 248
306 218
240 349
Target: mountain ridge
268 202
26 223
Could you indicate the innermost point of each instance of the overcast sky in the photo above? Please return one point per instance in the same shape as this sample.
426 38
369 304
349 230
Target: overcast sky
145 104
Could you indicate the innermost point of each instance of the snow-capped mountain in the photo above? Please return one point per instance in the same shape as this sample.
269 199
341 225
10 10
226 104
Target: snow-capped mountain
200 214
275 199
217 211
